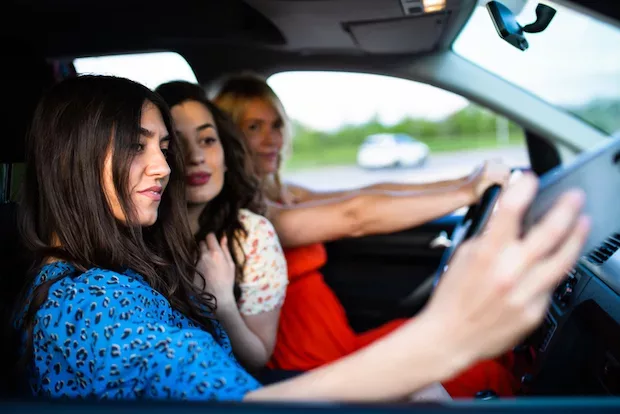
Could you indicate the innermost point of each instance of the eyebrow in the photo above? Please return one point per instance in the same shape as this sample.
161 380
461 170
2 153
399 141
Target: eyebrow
262 121
205 126
150 134
147 133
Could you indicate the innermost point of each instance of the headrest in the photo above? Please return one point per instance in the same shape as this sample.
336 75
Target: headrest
30 77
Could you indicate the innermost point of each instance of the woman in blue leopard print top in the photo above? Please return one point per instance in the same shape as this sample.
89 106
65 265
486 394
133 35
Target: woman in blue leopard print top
109 334
93 327
119 307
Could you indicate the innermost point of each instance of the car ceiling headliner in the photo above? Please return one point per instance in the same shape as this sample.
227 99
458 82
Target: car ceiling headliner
219 36
238 30
73 28
93 27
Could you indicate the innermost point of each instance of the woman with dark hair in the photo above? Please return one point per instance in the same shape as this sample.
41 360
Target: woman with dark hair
224 203
116 260
119 307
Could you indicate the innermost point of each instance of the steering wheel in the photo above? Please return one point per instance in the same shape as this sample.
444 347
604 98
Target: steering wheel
473 222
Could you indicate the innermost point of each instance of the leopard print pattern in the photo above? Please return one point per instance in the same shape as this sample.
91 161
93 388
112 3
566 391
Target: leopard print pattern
109 335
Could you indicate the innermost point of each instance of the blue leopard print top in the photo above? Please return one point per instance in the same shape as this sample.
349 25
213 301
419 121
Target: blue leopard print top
108 335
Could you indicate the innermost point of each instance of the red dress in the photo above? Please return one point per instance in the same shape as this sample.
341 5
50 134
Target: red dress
314 329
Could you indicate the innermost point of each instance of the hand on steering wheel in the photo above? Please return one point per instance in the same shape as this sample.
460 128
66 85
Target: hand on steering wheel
472 224
484 178
488 174
487 180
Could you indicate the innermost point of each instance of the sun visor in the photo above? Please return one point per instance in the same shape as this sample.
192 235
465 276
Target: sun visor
413 34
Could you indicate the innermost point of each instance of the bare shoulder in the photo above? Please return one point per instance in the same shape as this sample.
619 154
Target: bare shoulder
297 194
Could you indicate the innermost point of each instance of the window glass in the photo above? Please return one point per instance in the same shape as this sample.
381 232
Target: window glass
353 129
149 69
573 64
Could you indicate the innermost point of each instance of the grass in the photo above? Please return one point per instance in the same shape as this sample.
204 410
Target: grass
347 155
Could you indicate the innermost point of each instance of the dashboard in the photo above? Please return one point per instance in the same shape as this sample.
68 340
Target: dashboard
576 350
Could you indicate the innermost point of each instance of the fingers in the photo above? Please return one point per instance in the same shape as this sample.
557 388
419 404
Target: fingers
477 172
212 243
226 250
496 172
203 248
548 273
505 225
555 226
221 247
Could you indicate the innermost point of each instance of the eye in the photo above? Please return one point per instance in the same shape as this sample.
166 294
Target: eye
165 151
208 141
253 127
137 147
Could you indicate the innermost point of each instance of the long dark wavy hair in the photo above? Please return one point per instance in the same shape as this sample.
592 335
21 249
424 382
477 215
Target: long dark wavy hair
65 212
241 188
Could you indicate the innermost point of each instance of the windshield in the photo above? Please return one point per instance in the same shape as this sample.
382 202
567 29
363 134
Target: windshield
573 64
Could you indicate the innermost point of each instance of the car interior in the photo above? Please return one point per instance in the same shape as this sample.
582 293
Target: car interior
574 354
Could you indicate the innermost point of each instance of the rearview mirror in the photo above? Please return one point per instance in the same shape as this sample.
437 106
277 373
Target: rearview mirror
510 30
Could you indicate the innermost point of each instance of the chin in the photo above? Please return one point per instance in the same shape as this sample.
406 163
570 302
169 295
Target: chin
269 169
147 220
200 196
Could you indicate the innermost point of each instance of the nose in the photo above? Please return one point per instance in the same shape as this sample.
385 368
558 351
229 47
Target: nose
194 155
273 138
158 166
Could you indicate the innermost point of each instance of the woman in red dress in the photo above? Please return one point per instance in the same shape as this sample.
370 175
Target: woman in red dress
314 329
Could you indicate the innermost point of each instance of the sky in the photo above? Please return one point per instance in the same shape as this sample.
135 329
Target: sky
574 61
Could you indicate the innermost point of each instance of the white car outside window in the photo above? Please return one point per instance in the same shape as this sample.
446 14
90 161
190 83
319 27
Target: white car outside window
391 150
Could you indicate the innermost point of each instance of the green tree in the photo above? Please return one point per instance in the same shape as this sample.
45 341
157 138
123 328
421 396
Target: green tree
601 113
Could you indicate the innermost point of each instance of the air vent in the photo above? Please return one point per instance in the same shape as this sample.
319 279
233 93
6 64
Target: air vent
606 250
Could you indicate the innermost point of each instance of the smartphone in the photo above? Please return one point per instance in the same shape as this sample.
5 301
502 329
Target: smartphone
597 173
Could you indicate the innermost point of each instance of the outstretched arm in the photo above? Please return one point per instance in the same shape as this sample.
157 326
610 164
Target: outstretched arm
360 213
489 171
303 195
356 215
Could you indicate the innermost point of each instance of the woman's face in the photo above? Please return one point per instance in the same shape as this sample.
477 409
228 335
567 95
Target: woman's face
149 171
262 128
204 154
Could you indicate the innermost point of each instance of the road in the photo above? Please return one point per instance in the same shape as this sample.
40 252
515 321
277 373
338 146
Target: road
440 166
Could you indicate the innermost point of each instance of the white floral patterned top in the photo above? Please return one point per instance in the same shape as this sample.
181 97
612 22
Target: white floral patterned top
265 275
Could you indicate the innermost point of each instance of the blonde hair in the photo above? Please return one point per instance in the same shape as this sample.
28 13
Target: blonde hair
233 94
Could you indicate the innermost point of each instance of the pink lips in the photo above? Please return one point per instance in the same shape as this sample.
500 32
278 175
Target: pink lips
154 193
270 157
198 179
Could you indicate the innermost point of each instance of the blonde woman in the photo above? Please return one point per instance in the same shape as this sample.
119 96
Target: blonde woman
313 326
